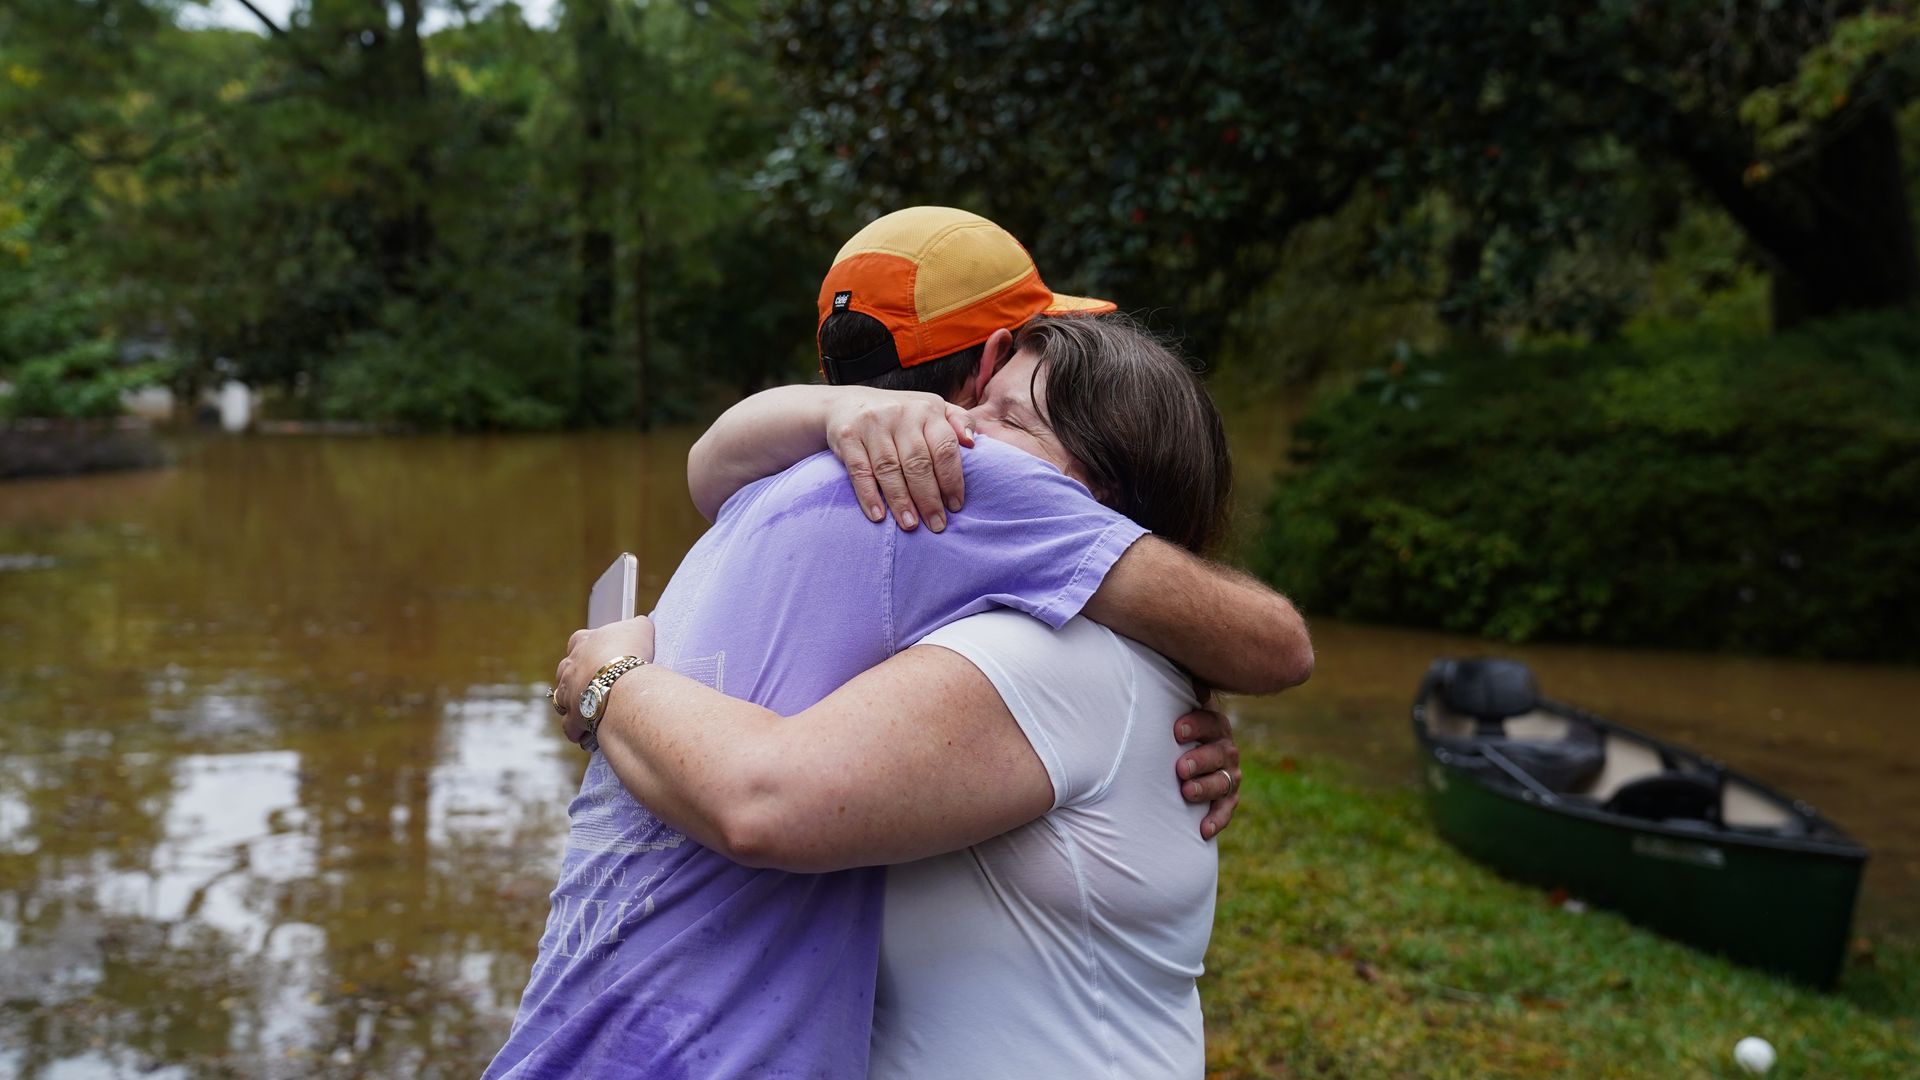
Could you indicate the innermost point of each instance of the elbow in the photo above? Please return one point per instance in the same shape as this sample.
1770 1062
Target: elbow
757 825
700 484
1298 666
768 841
750 836
1290 653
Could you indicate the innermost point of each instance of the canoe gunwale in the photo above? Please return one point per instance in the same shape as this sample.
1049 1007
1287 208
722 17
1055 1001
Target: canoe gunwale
1835 843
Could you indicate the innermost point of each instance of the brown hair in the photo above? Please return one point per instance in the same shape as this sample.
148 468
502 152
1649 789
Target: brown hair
1141 422
850 333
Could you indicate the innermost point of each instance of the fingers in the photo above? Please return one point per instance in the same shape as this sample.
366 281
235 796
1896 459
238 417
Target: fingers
860 472
1206 758
961 423
902 452
953 479
1210 772
565 693
923 483
1201 726
888 473
1219 816
573 642
1211 786
1220 790
1216 751
934 474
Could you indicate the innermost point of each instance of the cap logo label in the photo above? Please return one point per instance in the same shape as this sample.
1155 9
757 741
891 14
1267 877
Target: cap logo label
840 300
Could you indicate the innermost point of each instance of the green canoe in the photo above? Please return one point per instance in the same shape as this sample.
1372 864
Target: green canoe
1546 793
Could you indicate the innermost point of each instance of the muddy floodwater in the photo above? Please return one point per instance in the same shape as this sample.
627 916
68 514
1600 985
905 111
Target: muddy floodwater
279 795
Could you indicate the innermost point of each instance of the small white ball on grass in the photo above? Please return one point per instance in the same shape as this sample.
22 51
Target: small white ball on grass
1753 1054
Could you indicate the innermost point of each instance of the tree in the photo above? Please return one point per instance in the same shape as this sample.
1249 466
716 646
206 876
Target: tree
1163 154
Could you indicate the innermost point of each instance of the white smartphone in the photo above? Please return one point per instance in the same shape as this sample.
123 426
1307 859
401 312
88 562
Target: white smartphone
612 596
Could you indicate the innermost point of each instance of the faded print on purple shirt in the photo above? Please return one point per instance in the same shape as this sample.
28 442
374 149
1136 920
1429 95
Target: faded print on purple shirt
662 959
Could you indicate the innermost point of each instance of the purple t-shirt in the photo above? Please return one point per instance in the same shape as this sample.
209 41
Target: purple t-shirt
663 959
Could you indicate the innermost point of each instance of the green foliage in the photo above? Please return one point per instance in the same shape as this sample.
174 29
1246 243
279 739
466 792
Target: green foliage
1327 311
1860 47
1680 488
1163 154
489 225
80 382
1705 278
1351 941
439 367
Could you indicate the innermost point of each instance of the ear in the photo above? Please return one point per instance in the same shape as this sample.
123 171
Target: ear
999 350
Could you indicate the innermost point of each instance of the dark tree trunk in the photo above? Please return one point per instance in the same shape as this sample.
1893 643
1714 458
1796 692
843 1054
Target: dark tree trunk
1862 253
1464 312
593 98
400 90
1836 225
642 330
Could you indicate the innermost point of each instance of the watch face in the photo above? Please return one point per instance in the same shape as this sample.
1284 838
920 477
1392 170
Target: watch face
591 699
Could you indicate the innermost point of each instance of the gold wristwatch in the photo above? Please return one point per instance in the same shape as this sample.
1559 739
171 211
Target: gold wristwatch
593 699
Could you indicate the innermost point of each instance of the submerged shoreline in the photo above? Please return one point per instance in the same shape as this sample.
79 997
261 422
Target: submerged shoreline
35 448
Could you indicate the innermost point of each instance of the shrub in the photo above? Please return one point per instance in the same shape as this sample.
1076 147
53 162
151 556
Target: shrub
81 382
1685 489
459 359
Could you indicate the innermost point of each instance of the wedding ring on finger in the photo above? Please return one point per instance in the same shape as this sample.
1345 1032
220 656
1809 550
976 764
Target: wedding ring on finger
1231 782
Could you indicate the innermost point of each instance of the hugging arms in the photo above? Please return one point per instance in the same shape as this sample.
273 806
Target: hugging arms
920 755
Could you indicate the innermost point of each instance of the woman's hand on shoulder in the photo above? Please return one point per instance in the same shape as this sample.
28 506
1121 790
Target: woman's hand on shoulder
902 453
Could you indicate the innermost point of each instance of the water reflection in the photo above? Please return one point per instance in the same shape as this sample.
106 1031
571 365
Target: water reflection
278 796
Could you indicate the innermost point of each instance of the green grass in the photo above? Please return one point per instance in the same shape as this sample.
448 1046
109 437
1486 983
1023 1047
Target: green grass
1352 941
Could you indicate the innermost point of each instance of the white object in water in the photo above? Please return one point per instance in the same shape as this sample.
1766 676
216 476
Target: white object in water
1753 1054
236 406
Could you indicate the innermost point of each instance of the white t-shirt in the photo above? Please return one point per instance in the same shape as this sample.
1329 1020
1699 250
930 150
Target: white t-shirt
1069 946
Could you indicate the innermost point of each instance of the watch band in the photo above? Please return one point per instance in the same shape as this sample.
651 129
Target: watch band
603 681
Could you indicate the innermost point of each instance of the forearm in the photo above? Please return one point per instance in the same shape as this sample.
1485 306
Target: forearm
757 437
1228 629
916 757
686 751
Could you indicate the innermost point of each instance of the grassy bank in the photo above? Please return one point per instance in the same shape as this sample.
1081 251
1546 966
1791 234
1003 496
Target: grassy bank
1351 941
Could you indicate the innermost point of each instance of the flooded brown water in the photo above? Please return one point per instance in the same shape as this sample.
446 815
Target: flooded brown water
279 797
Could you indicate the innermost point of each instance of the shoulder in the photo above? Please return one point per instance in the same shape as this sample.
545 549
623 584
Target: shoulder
817 480
1029 648
990 458
1076 692
1041 672
1026 645
1056 673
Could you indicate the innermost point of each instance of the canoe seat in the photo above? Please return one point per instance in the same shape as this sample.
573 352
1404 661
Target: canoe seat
1488 690
1561 766
1668 796
1495 704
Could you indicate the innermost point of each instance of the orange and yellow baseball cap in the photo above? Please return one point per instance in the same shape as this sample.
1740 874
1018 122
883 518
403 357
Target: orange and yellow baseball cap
940 280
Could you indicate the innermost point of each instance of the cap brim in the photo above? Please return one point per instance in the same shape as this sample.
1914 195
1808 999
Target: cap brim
1079 305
